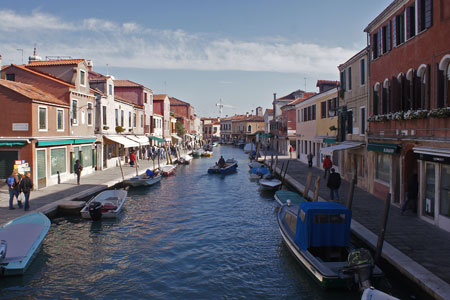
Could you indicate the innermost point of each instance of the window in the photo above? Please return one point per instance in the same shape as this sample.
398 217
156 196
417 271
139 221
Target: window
74 112
410 21
323 109
42 118
142 121
249 128
145 97
82 78
129 119
104 115
117 117
58 160
383 168
376 42
430 184
86 156
362 121
398 29
121 118
314 112
59 119
349 122
89 114
363 71
134 119
386 38
11 77
424 14
343 80
444 205
349 78
110 89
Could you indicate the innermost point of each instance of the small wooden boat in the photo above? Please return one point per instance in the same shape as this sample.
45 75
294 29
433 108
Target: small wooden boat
168 170
142 180
318 235
185 159
230 166
107 205
282 197
20 241
207 154
270 183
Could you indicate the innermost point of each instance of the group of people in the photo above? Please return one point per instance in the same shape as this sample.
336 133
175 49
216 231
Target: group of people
18 185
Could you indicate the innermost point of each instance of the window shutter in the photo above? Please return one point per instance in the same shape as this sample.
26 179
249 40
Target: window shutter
428 13
428 88
416 95
402 93
408 23
374 46
440 81
394 32
395 99
350 122
388 37
375 102
380 39
419 16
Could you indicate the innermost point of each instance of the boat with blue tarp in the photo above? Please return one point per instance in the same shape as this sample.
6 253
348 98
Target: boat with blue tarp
318 235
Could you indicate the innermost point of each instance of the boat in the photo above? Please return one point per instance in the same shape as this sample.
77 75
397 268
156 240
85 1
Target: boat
374 294
255 164
208 147
230 166
168 170
249 147
20 241
283 196
207 154
256 173
143 180
318 235
105 205
267 182
185 159
197 153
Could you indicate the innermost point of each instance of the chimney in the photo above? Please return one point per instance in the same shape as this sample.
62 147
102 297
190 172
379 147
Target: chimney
90 64
274 96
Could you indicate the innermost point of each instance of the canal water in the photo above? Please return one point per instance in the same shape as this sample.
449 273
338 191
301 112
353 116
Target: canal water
193 236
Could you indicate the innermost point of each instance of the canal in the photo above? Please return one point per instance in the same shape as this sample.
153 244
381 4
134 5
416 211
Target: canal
193 236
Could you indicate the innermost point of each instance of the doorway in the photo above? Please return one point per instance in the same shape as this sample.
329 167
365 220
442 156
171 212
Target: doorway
41 168
410 168
7 159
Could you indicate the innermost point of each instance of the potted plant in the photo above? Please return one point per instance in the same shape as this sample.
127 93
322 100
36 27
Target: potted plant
333 128
119 129
105 127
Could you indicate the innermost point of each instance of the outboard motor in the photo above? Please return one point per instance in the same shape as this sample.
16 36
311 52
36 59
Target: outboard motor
95 210
360 261
3 247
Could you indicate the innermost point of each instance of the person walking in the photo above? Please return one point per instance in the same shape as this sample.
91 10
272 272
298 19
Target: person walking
132 158
77 168
13 183
327 164
412 190
334 182
291 149
26 185
310 158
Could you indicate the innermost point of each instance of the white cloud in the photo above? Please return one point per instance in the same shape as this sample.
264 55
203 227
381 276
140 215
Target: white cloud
131 45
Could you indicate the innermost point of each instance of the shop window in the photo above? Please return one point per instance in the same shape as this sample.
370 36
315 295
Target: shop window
383 168
430 184
444 207
58 160
86 155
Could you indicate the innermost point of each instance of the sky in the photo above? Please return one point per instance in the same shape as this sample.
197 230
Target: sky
239 52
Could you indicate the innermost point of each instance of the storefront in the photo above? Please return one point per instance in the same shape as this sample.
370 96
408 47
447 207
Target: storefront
10 152
116 147
434 185
336 152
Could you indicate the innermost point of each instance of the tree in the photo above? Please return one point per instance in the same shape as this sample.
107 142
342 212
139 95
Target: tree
180 128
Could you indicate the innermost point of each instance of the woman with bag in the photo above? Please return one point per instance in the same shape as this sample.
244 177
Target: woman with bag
26 185
13 182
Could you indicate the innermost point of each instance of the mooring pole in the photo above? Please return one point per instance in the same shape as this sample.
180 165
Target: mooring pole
307 185
121 171
316 191
387 205
285 171
350 193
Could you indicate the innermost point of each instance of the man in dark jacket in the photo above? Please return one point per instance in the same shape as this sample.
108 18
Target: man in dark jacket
26 185
334 182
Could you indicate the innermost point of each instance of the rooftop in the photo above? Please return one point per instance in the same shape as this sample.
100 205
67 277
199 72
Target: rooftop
31 92
55 62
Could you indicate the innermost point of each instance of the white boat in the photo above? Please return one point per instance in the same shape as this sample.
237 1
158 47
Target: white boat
255 164
107 204
20 241
185 159
249 147
374 294
270 184
168 170
142 180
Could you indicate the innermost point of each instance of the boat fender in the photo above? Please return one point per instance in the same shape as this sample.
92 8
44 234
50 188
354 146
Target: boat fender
3 248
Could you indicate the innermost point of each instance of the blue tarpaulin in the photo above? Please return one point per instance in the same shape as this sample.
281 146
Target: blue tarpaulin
323 224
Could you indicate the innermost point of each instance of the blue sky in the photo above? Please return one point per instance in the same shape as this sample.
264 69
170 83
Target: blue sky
198 51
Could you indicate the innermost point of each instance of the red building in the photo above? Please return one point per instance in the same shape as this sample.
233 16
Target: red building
183 111
408 108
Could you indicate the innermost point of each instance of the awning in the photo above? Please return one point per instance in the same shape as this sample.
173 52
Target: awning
127 143
11 143
329 141
141 139
341 146
384 148
84 141
54 142
176 137
438 155
159 140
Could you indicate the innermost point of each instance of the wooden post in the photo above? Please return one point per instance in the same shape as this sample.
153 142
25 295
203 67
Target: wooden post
137 172
350 193
121 171
271 163
281 171
307 185
169 159
316 190
159 164
387 205
285 171
276 164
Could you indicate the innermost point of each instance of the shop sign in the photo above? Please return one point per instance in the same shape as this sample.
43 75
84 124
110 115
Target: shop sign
432 158
20 126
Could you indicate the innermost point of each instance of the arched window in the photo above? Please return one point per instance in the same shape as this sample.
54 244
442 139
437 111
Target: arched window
376 98
386 97
443 82
409 89
249 128
422 87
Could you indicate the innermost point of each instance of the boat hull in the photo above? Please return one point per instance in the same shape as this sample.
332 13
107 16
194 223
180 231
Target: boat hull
227 170
117 196
282 196
272 184
138 181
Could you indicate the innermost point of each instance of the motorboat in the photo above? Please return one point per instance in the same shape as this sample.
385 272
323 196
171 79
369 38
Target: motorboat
185 159
168 170
249 147
143 180
230 166
20 241
255 164
283 197
267 182
105 205
207 154
256 173
318 235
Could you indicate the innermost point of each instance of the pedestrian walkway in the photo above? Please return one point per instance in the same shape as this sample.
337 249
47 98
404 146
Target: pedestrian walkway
47 199
415 247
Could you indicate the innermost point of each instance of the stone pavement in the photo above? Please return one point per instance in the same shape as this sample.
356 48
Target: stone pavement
418 249
47 199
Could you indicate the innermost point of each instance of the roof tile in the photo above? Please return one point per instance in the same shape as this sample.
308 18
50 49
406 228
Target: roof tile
31 92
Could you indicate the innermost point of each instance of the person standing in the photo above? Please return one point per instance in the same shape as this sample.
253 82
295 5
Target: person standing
13 187
334 182
327 164
310 158
291 149
132 158
77 169
412 190
26 185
